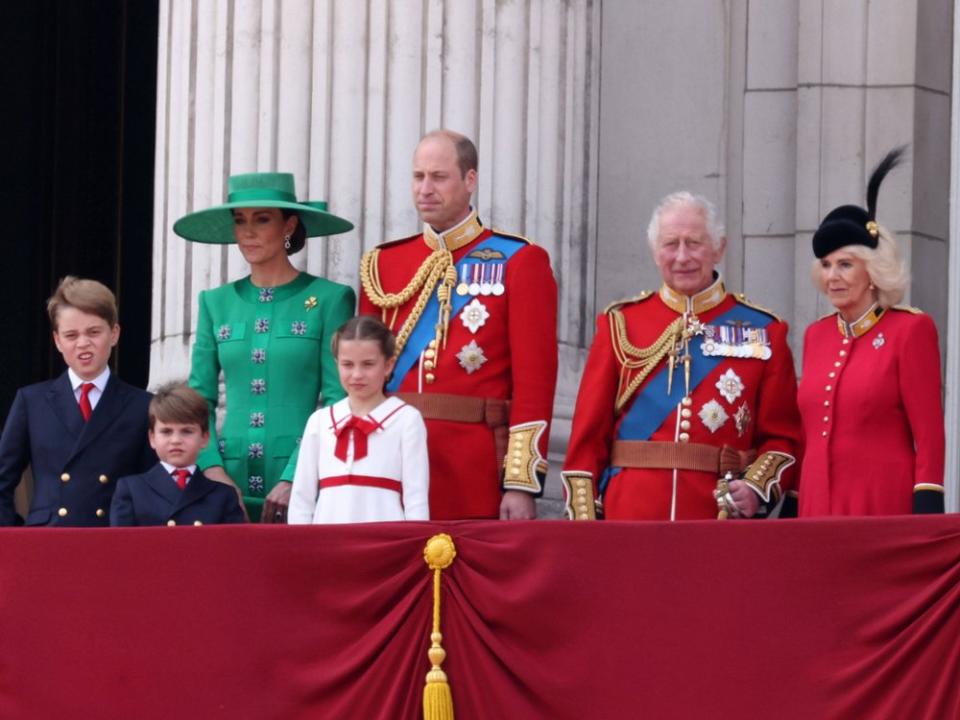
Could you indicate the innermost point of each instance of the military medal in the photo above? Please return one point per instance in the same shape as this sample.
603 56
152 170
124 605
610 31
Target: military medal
475 280
736 341
741 418
486 287
463 287
498 287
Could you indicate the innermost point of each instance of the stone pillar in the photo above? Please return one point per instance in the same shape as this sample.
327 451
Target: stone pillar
338 92
952 380
874 75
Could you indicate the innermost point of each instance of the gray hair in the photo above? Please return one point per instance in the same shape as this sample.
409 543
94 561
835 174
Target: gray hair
683 198
883 264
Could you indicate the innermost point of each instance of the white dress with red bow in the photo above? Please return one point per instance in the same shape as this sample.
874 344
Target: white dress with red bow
366 469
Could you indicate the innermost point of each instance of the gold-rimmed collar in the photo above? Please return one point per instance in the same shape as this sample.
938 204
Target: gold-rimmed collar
861 325
456 237
704 300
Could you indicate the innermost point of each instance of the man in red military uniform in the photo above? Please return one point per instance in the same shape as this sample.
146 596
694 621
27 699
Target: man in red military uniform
687 406
475 313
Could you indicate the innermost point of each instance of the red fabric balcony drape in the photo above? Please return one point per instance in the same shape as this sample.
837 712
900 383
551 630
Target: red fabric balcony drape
785 619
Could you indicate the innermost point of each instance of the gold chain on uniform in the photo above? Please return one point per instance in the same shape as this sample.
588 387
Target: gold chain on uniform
631 357
437 270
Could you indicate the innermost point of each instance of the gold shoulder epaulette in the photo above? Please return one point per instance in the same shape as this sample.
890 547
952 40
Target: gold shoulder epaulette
513 236
626 301
388 243
908 308
742 299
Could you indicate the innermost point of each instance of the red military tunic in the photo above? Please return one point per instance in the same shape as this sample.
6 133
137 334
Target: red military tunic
501 346
872 414
745 403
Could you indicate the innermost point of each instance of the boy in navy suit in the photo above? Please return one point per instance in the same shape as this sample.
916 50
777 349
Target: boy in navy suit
80 431
175 491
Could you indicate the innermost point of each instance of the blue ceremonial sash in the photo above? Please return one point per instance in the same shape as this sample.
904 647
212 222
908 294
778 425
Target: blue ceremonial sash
653 405
425 329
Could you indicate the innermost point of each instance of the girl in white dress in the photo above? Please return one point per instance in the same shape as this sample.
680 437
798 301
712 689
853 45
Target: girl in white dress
363 459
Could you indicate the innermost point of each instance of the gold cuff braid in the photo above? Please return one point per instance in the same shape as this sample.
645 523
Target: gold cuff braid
763 475
523 459
578 491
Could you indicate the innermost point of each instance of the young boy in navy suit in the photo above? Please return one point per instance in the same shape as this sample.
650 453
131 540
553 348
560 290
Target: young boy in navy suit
175 491
81 431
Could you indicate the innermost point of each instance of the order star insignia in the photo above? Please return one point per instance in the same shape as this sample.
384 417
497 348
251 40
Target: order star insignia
730 385
474 315
713 415
471 357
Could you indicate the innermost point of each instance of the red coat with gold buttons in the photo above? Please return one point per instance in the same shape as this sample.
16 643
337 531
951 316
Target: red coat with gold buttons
872 415
762 392
518 340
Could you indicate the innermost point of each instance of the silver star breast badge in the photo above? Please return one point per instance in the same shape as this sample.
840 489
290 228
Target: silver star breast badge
713 415
730 385
474 315
471 357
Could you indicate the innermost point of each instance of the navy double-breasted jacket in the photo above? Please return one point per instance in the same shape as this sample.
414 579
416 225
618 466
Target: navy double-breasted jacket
75 464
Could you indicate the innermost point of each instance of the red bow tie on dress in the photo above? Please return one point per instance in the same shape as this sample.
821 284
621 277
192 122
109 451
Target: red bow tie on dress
359 428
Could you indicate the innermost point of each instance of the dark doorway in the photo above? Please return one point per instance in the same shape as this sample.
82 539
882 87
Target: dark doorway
77 196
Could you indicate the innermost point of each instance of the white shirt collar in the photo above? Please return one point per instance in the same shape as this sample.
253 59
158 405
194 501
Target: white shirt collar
170 468
100 381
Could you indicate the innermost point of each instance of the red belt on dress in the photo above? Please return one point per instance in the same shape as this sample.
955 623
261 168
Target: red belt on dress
362 480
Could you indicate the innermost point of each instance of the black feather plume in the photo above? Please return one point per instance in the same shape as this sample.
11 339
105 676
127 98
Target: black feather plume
892 159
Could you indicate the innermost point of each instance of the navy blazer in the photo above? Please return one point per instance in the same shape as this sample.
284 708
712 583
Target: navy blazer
75 463
153 498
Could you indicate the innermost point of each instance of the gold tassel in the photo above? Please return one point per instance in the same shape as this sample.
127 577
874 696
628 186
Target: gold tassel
438 553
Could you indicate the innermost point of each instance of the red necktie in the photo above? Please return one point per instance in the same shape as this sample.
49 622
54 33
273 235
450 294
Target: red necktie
182 475
85 408
359 428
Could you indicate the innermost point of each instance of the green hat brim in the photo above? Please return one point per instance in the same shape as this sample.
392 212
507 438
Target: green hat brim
215 225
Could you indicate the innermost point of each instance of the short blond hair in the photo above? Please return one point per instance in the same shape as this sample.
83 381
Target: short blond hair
176 402
884 266
88 296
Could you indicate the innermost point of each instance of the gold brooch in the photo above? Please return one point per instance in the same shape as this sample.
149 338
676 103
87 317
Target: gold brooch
310 303
873 228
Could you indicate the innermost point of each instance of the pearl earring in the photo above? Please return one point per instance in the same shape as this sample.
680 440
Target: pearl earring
286 242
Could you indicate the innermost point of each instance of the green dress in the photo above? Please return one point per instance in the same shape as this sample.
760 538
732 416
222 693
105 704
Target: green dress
273 346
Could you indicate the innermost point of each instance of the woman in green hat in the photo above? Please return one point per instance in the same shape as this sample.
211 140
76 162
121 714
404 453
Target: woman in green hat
269 333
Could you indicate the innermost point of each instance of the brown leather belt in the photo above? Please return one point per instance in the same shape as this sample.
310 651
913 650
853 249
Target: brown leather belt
680 456
492 412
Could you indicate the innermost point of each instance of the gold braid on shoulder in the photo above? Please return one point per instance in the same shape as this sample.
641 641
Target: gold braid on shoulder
631 357
436 271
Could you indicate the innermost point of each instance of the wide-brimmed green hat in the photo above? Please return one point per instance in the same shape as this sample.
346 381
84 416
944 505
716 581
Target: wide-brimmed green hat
273 190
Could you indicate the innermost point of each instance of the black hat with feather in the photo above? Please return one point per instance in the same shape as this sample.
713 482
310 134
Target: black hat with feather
851 224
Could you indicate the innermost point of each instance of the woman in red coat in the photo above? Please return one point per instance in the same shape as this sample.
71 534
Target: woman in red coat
870 392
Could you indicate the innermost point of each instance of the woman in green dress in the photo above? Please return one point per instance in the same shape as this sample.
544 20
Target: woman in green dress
268 333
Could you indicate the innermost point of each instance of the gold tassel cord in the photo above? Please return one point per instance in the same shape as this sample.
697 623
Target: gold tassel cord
645 359
436 272
438 553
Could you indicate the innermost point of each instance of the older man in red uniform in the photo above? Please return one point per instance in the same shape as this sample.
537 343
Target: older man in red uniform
475 313
687 406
